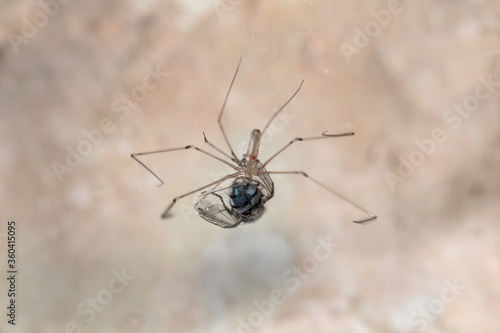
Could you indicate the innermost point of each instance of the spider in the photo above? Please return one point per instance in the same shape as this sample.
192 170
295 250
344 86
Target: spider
249 187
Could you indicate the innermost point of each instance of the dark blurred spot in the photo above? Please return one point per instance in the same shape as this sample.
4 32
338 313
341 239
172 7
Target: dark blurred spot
476 189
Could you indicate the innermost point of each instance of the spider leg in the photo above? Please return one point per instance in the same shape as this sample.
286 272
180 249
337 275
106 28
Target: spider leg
205 193
323 136
218 149
165 214
281 108
134 156
222 111
370 216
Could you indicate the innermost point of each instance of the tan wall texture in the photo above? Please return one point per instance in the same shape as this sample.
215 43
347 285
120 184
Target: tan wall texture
83 84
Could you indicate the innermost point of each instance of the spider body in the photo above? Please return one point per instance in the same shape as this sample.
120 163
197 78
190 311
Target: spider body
240 197
244 199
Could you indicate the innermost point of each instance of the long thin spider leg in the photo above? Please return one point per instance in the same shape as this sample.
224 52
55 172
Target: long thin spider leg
323 136
217 148
281 108
222 111
205 193
370 216
175 149
164 215
147 168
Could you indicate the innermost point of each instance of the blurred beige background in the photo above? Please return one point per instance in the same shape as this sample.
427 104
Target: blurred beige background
418 81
